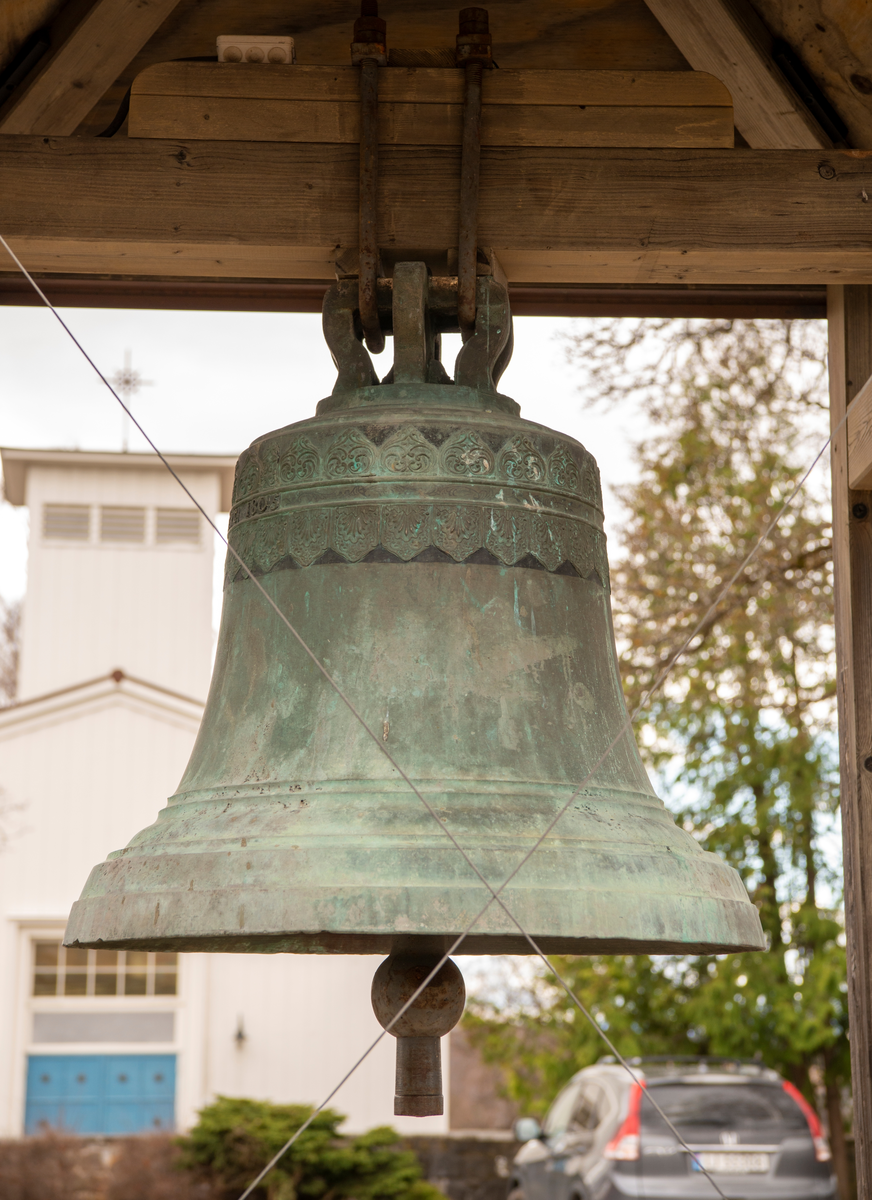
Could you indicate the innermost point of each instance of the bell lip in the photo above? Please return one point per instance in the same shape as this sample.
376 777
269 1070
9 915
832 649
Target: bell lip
384 944
719 925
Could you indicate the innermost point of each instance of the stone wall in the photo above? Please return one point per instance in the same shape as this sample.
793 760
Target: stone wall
475 1101
466 1167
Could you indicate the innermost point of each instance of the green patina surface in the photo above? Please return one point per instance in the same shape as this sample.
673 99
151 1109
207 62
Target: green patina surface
448 567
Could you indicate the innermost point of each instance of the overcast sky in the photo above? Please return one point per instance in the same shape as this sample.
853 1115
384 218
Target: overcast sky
221 379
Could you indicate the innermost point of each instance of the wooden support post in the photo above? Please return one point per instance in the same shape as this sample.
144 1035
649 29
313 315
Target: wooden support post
849 311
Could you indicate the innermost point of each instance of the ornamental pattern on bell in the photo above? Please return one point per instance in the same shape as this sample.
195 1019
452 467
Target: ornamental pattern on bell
508 534
406 529
247 476
585 550
272 522
520 461
563 469
545 541
467 454
300 461
270 543
591 489
407 452
457 529
241 540
308 534
269 470
355 530
350 454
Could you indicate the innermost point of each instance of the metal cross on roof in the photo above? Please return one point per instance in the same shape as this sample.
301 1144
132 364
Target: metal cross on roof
127 381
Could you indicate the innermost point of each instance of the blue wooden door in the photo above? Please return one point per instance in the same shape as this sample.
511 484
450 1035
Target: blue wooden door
101 1093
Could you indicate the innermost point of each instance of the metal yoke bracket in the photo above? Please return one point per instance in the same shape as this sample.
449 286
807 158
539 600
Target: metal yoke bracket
417 309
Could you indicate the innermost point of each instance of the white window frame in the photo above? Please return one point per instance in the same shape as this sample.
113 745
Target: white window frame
34 929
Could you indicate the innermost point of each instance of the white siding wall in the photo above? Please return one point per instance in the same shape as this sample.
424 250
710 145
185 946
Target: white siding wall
77 784
91 608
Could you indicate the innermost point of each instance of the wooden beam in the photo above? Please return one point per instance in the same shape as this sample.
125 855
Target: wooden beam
728 39
282 211
70 79
262 295
860 439
850 356
836 46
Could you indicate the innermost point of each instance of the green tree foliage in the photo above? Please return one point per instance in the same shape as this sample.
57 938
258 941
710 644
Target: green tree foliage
234 1139
10 646
742 734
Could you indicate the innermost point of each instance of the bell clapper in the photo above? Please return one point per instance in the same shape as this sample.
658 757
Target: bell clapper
434 1013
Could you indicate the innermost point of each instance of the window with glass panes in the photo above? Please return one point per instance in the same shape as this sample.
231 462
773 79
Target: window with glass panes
68 971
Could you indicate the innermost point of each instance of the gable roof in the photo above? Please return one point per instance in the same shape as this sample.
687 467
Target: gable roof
16 461
117 685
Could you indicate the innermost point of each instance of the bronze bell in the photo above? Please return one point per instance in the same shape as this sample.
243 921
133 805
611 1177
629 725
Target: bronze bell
445 560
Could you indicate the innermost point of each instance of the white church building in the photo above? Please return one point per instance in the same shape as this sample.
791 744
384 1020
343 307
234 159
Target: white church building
115 664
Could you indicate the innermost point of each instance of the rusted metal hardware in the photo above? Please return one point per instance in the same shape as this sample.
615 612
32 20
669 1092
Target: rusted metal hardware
369 51
354 367
370 35
417 310
473 54
417 338
433 1014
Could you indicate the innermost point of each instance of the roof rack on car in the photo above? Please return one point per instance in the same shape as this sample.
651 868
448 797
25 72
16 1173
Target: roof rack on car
686 1064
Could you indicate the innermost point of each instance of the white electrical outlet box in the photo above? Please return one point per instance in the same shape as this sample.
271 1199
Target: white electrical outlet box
239 48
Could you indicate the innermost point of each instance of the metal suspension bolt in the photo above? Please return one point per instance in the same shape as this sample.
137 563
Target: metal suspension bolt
369 52
473 53
474 38
370 35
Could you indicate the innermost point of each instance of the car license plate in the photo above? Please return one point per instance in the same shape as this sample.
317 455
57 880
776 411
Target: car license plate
732 1163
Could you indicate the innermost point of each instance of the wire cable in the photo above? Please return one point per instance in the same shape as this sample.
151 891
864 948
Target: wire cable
495 894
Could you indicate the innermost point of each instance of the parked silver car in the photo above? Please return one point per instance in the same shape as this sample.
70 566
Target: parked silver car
602 1139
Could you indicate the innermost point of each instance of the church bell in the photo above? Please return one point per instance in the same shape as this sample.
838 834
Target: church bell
445 560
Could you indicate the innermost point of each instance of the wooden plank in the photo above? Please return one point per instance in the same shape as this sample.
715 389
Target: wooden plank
574 34
273 211
421 85
726 38
73 76
401 124
850 346
860 439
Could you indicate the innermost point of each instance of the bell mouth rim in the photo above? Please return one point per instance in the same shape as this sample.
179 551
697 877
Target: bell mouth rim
384 943
475 946
158 905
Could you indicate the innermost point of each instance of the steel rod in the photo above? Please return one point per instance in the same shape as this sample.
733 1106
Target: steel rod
470 173
368 217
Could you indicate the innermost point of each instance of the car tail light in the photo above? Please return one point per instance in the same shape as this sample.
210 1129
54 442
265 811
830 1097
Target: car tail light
821 1149
625 1145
